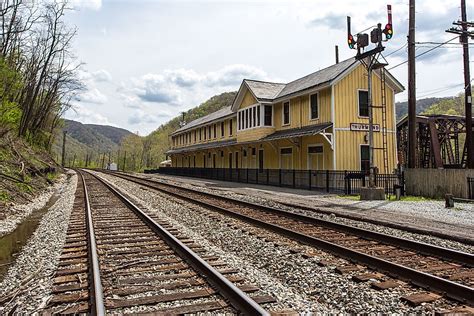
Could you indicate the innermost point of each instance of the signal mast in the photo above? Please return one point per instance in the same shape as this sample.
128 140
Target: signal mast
370 60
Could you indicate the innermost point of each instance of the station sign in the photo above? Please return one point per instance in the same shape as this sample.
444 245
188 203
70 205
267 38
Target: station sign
361 127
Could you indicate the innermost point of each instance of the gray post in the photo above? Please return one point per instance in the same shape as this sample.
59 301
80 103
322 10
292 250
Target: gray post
63 157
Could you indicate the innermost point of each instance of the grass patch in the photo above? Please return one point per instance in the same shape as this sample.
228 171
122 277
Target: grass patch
408 198
350 197
23 187
51 176
4 196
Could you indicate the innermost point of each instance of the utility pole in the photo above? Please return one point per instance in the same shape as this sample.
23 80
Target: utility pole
109 162
411 87
103 160
63 156
464 38
467 87
74 161
124 161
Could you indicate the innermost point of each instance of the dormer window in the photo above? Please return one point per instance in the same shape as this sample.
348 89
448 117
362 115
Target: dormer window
250 117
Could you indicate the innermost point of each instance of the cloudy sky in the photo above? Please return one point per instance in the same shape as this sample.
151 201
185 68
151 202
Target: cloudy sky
145 61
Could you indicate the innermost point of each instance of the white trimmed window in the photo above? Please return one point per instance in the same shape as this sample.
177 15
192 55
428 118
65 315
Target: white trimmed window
286 113
363 103
250 117
314 106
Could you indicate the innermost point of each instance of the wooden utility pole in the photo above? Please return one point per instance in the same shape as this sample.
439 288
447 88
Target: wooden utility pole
411 88
63 156
467 88
464 37
124 161
103 160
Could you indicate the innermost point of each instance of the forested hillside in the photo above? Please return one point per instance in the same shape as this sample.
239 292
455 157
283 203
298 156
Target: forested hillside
38 79
401 108
149 151
88 140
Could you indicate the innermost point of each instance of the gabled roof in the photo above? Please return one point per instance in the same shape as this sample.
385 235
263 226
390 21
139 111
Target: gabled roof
317 78
264 90
270 91
222 113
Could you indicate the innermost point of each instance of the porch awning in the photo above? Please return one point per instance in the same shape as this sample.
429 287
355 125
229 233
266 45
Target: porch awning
210 145
298 132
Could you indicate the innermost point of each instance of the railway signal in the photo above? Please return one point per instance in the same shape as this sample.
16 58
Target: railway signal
388 30
370 60
350 39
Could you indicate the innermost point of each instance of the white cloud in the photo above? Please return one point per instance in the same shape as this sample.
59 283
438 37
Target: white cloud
92 96
171 86
87 4
100 75
233 75
85 115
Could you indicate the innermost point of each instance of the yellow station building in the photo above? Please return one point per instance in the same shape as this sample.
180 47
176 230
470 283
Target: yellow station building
318 122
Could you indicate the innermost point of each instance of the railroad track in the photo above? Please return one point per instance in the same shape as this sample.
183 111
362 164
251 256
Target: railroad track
117 259
445 271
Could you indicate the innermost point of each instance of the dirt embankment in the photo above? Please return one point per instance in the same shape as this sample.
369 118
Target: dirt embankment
25 172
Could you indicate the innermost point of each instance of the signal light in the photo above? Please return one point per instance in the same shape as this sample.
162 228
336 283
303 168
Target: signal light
388 31
350 41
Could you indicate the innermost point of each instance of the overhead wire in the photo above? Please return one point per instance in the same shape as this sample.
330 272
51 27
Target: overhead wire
425 52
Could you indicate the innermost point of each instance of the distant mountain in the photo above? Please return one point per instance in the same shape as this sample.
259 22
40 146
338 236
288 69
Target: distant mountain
88 139
422 105
148 151
115 134
100 137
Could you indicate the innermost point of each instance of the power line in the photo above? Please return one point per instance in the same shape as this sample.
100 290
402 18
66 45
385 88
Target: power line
398 49
439 90
436 43
425 52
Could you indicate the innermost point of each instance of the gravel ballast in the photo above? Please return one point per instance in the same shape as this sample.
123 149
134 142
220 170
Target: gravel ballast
26 286
16 213
293 279
429 216
334 218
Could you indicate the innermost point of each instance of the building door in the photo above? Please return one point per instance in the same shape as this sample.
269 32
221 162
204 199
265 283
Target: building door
316 157
286 158
260 160
204 161
230 160
194 161
236 159
213 160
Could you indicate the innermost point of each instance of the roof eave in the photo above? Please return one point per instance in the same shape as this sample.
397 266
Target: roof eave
304 91
201 124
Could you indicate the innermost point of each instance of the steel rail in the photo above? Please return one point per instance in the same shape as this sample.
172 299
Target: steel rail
97 297
451 289
237 298
464 258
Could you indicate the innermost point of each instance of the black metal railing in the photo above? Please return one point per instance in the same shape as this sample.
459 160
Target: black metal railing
347 182
470 188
